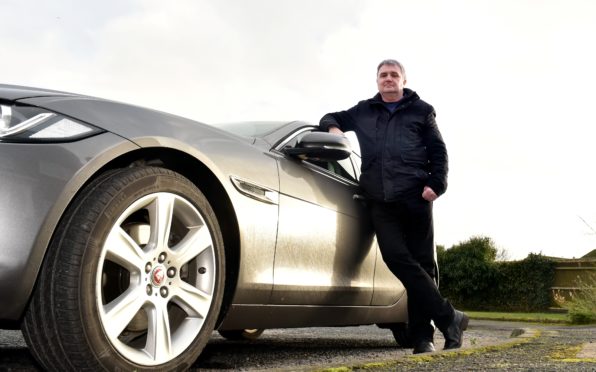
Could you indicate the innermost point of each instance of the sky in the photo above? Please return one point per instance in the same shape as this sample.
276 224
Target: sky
512 82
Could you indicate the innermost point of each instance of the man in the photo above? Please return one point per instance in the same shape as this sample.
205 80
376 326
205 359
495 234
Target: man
404 169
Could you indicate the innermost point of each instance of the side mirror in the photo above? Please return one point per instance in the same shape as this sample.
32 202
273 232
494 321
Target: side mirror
321 146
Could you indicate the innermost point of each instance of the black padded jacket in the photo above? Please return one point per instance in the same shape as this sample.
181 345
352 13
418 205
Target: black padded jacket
402 151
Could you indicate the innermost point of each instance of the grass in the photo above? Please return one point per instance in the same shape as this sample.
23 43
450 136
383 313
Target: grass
520 317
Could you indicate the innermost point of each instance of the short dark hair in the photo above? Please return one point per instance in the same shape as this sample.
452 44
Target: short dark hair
392 62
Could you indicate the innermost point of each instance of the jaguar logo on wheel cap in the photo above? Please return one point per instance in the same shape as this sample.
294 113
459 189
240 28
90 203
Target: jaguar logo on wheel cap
158 275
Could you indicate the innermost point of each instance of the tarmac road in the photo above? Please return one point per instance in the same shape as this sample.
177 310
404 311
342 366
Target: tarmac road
314 349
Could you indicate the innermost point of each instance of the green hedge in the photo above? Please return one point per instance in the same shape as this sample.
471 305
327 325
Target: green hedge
471 278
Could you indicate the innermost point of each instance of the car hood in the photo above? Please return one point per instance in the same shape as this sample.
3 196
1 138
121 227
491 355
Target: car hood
16 92
144 126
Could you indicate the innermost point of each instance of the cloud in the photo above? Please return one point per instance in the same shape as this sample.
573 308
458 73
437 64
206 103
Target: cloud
512 84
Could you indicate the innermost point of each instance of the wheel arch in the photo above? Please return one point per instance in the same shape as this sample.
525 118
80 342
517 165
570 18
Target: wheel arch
201 176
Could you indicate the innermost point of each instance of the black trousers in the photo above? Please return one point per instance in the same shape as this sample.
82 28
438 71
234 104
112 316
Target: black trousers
406 239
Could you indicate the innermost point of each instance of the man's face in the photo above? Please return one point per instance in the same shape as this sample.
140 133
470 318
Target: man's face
390 80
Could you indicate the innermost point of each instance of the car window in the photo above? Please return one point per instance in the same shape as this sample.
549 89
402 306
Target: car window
356 160
295 138
343 168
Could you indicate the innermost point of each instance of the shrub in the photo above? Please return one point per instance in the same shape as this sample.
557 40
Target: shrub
472 279
467 270
524 285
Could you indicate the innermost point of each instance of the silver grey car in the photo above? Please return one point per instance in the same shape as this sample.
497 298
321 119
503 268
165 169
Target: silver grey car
129 235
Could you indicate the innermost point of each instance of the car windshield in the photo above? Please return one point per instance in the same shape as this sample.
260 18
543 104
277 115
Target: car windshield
250 128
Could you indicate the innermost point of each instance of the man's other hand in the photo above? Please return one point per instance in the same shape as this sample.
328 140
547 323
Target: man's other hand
428 194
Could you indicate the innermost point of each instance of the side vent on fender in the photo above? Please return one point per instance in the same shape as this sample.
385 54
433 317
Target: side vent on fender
255 191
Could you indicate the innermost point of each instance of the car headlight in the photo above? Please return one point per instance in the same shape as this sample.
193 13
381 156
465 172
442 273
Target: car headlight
20 123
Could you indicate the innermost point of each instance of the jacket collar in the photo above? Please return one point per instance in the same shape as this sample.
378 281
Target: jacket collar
409 96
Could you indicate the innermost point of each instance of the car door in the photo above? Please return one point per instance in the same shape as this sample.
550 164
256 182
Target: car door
324 252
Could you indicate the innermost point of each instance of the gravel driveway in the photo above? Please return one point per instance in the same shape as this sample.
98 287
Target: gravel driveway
540 349
487 346
314 348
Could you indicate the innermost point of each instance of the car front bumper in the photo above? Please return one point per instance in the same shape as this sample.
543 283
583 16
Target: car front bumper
37 182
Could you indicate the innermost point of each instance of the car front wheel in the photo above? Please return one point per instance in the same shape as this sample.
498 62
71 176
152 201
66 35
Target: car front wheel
133 279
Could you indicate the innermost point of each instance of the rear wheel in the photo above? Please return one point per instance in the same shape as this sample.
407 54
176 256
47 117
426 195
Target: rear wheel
401 335
241 334
400 332
133 279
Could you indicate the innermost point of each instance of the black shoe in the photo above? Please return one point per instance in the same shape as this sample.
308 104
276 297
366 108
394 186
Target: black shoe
424 347
454 334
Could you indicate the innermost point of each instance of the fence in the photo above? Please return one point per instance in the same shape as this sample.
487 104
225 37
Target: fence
573 276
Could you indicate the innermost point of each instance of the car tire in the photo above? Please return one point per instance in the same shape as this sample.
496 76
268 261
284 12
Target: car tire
401 335
241 334
133 278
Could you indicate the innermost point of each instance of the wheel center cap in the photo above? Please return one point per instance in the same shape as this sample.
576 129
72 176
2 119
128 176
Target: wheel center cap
158 276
